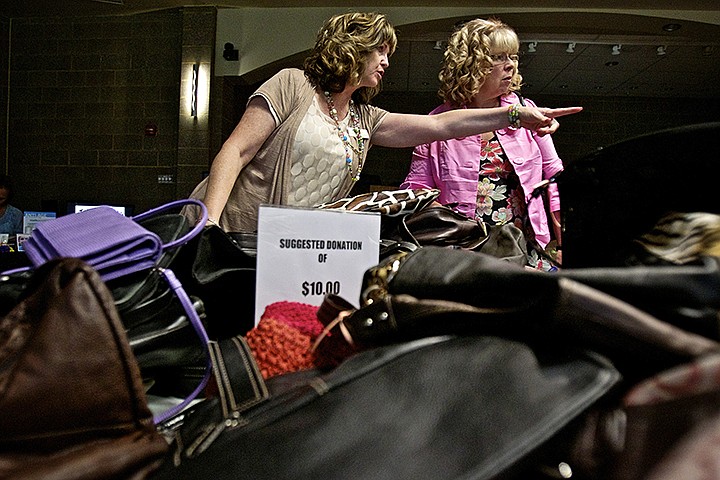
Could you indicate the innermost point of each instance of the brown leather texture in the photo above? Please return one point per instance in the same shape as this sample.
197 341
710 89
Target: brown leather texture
440 226
71 393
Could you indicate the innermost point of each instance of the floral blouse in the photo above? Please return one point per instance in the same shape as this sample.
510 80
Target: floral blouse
500 198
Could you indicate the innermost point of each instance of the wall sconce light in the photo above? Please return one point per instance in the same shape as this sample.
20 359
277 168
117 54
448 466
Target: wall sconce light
708 50
616 49
661 50
194 90
532 47
438 45
570 48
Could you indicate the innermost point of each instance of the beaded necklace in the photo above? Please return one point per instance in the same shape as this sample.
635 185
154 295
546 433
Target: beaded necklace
344 137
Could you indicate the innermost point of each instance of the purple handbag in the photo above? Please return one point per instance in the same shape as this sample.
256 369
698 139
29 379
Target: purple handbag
115 246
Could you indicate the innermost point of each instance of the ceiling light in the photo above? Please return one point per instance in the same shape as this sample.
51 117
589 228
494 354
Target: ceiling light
570 48
661 50
671 27
532 46
616 49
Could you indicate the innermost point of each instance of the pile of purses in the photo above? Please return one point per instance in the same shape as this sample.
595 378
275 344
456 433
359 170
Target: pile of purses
462 365
108 330
457 364
479 369
410 219
165 326
93 325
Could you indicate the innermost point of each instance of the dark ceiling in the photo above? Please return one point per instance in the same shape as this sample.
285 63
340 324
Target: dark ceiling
24 8
689 67
574 55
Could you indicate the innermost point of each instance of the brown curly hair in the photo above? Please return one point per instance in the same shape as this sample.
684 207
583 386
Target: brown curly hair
341 49
467 62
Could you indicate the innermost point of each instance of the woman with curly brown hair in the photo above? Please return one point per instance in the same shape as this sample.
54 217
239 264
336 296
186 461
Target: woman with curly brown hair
490 175
304 136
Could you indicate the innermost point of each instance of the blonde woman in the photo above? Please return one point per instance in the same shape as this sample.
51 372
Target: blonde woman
305 134
490 175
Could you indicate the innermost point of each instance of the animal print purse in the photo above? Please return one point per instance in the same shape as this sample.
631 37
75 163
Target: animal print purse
393 203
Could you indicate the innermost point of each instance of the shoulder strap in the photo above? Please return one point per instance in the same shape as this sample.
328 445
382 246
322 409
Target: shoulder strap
199 328
239 380
197 228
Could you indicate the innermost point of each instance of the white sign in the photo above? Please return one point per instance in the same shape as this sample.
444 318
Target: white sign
304 254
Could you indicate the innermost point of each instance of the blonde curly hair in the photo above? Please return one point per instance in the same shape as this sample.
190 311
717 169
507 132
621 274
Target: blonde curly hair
341 49
467 60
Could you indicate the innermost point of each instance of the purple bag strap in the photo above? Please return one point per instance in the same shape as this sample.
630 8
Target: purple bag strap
177 287
173 205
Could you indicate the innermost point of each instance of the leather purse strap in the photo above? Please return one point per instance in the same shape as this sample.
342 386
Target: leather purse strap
240 386
239 380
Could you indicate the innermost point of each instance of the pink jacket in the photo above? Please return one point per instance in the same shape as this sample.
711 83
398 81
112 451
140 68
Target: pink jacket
453 166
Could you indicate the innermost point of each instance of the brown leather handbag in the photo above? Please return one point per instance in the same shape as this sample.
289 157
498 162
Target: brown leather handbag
71 395
441 226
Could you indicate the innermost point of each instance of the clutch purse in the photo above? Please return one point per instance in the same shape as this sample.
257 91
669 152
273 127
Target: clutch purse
113 244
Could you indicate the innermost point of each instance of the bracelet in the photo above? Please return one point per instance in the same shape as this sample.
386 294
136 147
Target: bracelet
514 115
212 222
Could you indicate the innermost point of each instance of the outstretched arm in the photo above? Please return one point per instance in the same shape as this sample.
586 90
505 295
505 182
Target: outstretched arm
408 130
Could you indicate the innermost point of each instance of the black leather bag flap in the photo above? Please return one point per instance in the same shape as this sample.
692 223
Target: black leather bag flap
439 407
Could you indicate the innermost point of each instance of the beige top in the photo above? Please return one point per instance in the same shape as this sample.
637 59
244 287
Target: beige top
267 179
318 158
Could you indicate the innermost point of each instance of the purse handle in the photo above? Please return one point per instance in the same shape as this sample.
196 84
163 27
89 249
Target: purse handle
173 205
197 324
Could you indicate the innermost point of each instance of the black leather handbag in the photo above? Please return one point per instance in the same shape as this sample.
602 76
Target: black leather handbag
159 331
220 268
410 296
663 393
445 407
